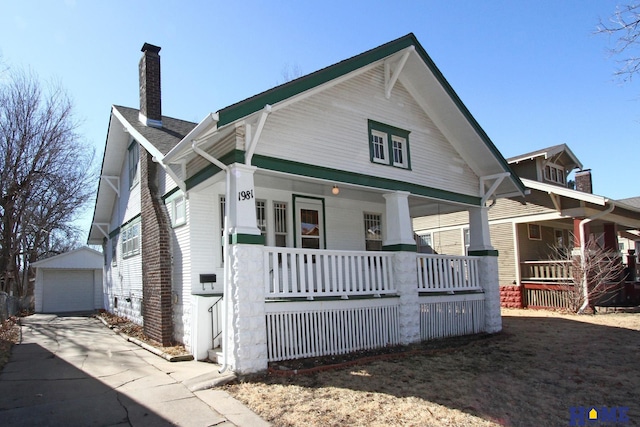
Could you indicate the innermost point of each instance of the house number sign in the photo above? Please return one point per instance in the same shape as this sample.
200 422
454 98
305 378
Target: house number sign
245 195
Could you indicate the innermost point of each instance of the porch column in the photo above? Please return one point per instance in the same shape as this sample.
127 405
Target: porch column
480 245
399 238
242 221
398 228
247 323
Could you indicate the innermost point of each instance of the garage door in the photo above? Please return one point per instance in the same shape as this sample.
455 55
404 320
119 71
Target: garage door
67 290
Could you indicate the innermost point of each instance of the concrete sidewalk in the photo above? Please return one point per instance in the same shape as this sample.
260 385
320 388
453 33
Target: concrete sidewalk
73 371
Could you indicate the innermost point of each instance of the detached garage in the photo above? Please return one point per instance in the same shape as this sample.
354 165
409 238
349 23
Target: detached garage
69 282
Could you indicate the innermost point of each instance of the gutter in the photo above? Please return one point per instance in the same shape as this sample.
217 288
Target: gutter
583 223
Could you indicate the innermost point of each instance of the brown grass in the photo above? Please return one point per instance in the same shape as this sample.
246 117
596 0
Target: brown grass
528 375
9 335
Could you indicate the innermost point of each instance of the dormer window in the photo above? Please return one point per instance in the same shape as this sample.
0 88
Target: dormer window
554 173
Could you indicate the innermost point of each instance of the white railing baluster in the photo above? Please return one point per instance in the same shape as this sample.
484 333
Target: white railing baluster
447 273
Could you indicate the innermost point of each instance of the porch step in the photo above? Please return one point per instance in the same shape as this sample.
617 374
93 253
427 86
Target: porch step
215 355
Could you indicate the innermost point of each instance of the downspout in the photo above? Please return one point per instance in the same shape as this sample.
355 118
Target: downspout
226 295
583 223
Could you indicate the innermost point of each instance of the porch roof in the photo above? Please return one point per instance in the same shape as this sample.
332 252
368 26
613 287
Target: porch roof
623 213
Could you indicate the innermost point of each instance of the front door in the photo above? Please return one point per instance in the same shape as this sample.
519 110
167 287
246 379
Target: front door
309 224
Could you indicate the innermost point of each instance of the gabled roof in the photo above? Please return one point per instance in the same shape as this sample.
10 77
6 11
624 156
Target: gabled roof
163 139
124 124
419 75
555 151
81 258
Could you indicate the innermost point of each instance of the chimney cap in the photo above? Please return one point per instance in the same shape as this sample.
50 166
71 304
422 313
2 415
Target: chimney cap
148 47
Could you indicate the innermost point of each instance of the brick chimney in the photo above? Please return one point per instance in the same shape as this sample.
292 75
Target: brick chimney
150 99
583 181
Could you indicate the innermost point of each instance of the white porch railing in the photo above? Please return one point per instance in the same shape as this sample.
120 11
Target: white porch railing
447 273
291 272
547 271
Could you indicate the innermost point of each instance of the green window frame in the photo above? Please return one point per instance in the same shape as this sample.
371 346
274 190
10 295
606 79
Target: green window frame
389 145
130 239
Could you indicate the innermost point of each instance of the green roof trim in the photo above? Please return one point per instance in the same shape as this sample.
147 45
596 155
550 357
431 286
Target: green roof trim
336 175
295 87
313 171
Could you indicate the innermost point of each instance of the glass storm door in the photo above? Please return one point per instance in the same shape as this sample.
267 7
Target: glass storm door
309 233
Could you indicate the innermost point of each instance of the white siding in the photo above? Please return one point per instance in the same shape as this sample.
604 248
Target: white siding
181 279
330 129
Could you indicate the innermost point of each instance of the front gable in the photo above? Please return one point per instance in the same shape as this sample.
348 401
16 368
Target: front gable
321 121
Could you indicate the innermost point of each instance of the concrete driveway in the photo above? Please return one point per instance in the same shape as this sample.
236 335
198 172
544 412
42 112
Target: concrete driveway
73 371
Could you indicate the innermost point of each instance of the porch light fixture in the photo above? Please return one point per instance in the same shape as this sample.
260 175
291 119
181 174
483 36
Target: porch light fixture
335 190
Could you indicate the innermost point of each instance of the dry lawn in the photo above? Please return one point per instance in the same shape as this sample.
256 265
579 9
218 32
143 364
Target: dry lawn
528 375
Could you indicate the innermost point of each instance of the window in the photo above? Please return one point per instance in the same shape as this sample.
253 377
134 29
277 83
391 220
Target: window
261 217
467 240
424 242
379 147
534 232
114 250
554 173
389 145
373 232
280 220
133 158
177 208
399 151
130 244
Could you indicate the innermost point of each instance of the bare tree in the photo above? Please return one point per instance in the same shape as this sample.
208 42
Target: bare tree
591 278
624 27
45 175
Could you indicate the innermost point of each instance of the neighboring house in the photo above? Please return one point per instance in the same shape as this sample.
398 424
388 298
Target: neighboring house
528 232
296 204
69 282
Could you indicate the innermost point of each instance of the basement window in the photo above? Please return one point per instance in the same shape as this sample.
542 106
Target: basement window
389 145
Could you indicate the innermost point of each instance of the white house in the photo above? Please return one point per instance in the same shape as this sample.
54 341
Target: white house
296 204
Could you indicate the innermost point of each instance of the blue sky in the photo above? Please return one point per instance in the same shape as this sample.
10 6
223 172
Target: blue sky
532 73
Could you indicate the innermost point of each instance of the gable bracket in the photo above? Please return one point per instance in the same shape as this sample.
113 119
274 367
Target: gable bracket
497 180
556 201
251 141
103 227
167 168
391 79
110 180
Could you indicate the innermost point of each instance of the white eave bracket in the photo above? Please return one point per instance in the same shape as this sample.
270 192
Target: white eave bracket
252 138
183 169
556 201
390 78
497 180
113 181
103 227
